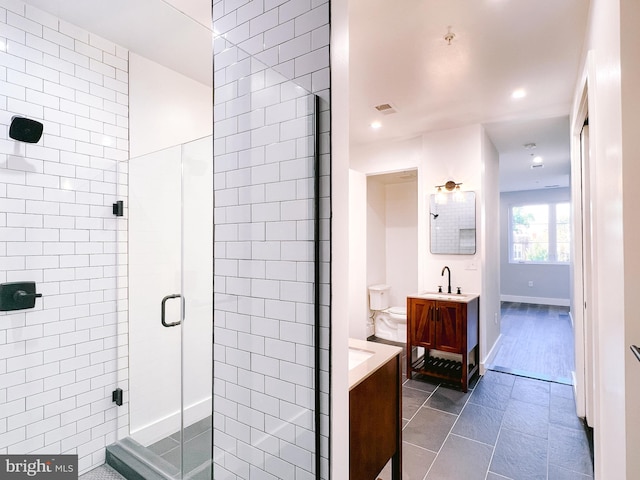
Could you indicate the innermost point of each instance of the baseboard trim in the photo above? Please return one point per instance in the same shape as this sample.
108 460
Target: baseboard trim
488 359
556 302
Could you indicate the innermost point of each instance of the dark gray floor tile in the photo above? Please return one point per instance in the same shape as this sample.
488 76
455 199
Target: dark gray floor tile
412 400
520 456
415 463
562 412
197 452
559 473
561 390
429 428
448 400
495 476
530 390
195 429
163 446
569 449
527 418
491 394
497 377
452 464
419 382
479 423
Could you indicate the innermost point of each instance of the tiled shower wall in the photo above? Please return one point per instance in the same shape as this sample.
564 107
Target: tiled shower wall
59 361
263 377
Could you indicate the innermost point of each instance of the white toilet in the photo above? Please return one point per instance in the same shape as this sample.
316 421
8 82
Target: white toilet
390 323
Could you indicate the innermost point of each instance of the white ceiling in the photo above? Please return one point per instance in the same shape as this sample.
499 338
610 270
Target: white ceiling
398 55
173 33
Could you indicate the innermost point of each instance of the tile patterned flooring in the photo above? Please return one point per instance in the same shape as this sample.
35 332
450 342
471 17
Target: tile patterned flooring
507 427
537 342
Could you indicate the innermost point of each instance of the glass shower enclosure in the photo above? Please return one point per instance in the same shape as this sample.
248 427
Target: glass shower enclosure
222 293
169 231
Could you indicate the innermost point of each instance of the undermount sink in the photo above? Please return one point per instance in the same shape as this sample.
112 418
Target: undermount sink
357 356
451 297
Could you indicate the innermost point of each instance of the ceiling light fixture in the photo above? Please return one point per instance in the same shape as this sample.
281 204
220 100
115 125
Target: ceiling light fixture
449 36
537 159
376 125
519 93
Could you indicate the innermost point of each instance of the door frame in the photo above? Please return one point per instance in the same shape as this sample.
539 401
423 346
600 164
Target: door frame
585 327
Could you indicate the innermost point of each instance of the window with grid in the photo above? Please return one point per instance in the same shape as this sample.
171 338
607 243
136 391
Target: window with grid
540 233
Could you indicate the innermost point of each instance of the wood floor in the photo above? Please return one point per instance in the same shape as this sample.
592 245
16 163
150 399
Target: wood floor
536 342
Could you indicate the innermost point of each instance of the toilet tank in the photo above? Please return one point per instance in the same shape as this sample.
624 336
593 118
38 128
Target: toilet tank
379 297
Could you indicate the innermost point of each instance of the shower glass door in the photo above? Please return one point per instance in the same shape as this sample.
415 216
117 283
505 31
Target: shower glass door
170 309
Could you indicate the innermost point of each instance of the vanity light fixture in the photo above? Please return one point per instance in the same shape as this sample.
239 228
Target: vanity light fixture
449 36
450 186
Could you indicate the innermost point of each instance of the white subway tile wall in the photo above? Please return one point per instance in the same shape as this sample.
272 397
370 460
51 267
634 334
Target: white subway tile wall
59 361
264 230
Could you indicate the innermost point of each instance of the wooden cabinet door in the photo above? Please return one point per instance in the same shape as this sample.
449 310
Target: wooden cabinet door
449 325
420 316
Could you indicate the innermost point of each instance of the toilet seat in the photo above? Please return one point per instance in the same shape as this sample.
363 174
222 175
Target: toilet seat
397 313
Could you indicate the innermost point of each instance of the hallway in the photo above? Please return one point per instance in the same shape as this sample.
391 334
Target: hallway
507 427
536 342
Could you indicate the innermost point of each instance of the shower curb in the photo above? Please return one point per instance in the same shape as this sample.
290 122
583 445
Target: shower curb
128 465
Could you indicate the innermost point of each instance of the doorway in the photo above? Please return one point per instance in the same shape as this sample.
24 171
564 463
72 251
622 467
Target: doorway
536 330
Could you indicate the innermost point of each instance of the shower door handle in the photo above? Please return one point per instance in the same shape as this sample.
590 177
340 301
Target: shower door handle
163 310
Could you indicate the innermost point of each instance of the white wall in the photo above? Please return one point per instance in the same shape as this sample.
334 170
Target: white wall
630 39
551 283
402 241
452 155
375 237
166 109
489 250
60 361
358 257
614 143
340 241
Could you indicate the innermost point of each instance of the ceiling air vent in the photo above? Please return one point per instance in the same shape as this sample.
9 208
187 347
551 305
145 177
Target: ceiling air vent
385 108
537 165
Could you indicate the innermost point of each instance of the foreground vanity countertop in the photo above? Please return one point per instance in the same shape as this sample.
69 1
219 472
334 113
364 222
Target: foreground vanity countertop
370 357
448 297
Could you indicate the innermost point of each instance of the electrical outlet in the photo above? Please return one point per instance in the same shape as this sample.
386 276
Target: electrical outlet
531 283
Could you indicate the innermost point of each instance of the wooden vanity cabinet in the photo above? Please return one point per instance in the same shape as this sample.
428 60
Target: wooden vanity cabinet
445 326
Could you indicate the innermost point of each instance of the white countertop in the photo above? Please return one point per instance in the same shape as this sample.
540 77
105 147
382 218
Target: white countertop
449 297
377 354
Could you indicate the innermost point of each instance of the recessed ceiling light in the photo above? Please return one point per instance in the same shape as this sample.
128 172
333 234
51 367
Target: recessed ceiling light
519 93
376 125
537 159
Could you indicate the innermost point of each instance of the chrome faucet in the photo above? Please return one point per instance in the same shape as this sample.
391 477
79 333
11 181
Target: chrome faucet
447 269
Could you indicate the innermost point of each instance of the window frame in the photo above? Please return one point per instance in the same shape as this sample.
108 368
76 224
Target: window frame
552 233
